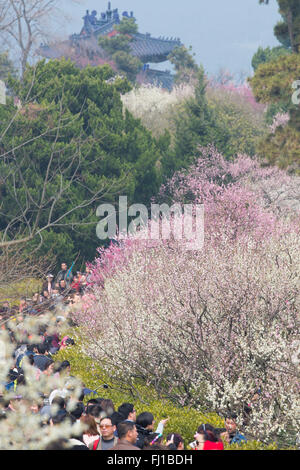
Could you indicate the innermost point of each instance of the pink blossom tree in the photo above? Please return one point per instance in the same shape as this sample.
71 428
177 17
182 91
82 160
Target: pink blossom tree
216 328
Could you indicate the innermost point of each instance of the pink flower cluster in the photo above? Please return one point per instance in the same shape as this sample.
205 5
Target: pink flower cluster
215 327
280 119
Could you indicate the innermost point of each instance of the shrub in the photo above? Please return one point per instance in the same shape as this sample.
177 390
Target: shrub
237 109
15 291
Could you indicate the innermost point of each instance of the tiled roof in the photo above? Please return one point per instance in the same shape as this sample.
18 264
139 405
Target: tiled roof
157 78
84 46
146 47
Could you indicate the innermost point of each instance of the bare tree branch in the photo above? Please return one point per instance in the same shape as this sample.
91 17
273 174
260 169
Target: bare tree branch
22 25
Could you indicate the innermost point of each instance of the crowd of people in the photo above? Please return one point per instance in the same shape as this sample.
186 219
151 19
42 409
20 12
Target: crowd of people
105 426
65 288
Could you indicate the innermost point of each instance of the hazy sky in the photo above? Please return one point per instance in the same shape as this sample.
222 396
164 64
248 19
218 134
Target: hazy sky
222 33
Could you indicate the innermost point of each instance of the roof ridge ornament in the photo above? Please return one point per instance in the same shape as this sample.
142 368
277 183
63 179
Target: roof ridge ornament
147 48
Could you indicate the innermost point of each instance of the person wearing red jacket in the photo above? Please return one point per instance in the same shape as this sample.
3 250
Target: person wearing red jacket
207 438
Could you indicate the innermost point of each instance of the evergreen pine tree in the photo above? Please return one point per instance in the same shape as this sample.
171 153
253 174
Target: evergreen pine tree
196 125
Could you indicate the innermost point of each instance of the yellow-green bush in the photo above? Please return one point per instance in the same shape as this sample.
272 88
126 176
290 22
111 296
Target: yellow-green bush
15 291
183 420
244 122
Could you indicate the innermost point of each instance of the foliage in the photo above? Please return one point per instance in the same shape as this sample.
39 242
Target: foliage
233 107
225 115
195 124
127 26
272 84
6 66
287 31
273 81
118 48
237 110
184 63
128 64
20 271
282 148
115 44
268 54
14 292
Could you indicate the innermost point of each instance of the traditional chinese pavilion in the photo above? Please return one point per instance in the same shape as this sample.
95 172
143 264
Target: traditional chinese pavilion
83 48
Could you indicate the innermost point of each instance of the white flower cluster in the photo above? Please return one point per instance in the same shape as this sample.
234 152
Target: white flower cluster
218 328
280 120
156 106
